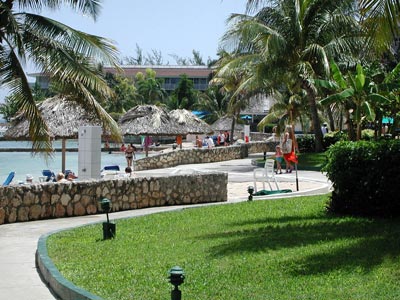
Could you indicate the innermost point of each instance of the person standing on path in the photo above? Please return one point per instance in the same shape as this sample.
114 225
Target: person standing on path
130 154
288 148
279 159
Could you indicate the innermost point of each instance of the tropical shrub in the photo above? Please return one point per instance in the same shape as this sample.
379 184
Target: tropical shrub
367 134
333 137
306 143
365 176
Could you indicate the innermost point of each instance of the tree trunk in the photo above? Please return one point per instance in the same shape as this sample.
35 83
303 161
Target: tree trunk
350 127
314 117
331 120
359 131
233 127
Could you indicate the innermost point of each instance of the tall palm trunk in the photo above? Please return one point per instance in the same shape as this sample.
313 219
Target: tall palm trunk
314 116
331 120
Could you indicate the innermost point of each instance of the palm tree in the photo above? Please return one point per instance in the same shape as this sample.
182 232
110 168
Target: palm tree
213 101
68 56
289 42
149 88
381 18
287 109
230 75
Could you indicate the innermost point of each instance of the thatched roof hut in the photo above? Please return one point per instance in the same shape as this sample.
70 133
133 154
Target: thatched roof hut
149 120
189 122
62 116
225 123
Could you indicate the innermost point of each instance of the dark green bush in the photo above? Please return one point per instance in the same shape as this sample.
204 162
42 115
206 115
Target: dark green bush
365 177
306 143
333 137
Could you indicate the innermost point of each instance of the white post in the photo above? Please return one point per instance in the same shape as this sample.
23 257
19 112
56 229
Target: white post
89 156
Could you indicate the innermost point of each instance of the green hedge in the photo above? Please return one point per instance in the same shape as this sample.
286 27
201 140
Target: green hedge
365 177
306 143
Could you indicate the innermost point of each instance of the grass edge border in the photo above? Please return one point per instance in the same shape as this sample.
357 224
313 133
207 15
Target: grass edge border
58 284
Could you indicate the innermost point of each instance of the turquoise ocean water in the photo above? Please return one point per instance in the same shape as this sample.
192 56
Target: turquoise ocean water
24 163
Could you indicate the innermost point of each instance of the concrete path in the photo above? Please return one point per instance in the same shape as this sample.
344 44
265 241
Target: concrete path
19 279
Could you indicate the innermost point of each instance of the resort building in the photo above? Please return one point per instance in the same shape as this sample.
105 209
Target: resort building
200 75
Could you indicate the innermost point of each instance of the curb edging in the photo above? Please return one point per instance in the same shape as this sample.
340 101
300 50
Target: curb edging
60 286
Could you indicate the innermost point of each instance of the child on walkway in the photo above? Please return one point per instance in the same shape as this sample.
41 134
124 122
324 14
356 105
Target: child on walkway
279 159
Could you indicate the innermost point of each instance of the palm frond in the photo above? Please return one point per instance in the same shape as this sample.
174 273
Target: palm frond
15 78
87 7
42 32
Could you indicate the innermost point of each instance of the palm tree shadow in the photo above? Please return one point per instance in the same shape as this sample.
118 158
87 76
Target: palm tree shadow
367 242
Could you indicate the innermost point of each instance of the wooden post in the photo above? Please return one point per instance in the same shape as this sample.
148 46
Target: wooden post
63 150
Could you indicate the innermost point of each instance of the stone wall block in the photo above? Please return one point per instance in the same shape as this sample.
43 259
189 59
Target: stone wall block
45 197
2 215
145 186
55 198
23 214
35 212
70 209
16 202
59 210
47 211
131 197
12 217
91 209
79 209
65 199
98 191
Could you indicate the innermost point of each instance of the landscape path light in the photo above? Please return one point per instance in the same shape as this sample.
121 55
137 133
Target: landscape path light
109 229
176 278
250 190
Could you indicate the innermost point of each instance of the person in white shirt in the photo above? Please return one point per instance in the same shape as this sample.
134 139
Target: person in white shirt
210 142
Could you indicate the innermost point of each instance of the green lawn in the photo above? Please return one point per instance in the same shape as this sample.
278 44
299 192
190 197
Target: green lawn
281 249
311 161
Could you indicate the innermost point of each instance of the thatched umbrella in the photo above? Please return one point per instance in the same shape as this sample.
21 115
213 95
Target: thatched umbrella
148 120
190 123
62 117
225 123
151 120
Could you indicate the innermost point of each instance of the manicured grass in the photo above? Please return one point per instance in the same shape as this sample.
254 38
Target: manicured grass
311 161
278 249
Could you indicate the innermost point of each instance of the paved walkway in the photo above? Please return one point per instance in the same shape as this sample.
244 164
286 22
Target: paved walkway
19 279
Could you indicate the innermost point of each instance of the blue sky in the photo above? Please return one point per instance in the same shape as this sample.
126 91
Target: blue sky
171 27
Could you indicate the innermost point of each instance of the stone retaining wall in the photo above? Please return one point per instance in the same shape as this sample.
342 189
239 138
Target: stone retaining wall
56 200
203 155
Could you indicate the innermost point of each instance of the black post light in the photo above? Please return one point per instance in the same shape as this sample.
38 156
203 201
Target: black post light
176 278
250 190
109 229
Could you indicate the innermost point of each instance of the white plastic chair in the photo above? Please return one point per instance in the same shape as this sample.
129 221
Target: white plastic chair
265 175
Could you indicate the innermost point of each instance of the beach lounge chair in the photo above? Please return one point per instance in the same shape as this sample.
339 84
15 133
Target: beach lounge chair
50 176
111 168
265 174
9 178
